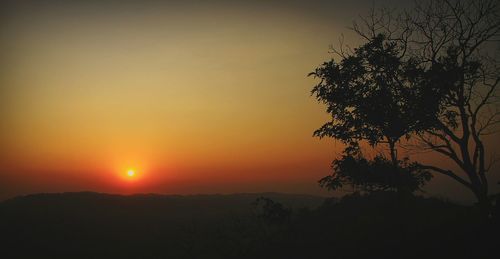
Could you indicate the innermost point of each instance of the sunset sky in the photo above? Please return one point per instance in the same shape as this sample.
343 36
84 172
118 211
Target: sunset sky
194 96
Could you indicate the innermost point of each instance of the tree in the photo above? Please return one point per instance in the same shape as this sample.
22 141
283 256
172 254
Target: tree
443 85
271 211
453 40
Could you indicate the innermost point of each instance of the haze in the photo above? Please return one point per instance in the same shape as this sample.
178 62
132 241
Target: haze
197 97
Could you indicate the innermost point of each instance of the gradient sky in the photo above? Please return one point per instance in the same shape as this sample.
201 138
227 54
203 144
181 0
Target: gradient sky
197 96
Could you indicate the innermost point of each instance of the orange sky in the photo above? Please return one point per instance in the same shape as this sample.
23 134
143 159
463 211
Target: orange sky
197 97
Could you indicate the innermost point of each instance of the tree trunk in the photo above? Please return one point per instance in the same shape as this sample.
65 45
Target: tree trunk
483 201
394 156
394 159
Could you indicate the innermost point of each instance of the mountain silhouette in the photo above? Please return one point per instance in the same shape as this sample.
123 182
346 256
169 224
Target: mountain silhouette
247 225
89 224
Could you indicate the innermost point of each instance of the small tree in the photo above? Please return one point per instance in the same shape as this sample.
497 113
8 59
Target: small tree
271 211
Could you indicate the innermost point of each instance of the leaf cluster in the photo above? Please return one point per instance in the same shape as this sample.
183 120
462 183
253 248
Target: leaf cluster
379 174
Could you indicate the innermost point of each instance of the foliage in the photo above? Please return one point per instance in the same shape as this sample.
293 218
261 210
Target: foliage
374 94
378 174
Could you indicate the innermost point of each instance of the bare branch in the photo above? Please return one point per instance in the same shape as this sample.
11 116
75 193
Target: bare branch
447 173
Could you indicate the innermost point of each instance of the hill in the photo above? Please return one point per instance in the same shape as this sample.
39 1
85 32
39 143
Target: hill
88 224
380 225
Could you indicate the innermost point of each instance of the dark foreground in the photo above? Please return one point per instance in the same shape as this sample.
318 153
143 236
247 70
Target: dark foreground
384 225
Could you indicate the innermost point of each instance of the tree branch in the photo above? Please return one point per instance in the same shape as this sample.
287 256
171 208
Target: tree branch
447 173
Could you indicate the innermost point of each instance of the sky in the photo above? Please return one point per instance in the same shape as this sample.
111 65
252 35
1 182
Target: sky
195 96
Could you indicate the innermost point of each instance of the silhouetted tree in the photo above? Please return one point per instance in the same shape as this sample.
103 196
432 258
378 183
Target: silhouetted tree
453 38
271 211
432 73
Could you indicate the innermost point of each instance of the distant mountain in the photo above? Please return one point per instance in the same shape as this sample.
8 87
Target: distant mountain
207 201
83 206
90 225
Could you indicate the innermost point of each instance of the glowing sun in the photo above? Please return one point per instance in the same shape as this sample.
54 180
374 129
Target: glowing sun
131 173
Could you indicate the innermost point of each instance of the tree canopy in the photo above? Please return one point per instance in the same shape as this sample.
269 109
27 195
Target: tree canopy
375 94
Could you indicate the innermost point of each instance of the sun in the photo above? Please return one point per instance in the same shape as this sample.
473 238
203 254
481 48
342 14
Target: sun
130 173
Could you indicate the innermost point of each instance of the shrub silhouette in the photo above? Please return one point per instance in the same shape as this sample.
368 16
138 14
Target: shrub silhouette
271 211
378 174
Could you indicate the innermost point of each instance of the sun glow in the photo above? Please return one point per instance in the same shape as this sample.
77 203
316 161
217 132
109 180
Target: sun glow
131 173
